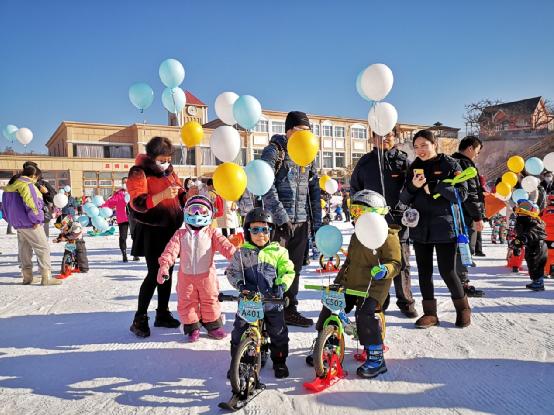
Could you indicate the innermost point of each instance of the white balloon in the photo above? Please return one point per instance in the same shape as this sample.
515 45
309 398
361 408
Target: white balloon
530 183
503 198
331 186
382 118
24 136
376 81
371 230
548 161
224 107
225 143
60 200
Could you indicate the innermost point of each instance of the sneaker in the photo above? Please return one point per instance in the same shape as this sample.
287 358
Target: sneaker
281 370
375 363
217 334
140 326
194 336
294 318
536 285
471 291
165 319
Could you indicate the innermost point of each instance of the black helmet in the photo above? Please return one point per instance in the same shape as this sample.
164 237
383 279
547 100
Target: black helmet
258 215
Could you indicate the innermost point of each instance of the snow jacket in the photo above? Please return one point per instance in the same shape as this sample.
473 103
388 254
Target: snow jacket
356 270
294 187
473 206
117 202
22 204
48 198
229 219
436 224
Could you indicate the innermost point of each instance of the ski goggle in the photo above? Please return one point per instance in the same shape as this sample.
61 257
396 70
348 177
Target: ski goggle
197 209
358 210
259 229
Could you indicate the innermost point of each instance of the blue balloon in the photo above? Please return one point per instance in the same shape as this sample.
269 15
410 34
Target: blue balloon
83 220
260 177
100 223
174 100
9 132
98 200
534 166
141 95
172 73
105 212
519 194
91 210
328 240
247 111
67 188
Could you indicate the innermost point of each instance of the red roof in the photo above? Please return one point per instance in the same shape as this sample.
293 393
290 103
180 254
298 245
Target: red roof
192 100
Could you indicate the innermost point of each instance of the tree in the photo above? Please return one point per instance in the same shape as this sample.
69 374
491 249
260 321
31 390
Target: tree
474 111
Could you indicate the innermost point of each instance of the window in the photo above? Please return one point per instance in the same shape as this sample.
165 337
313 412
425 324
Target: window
357 132
339 132
327 160
241 157
88 151
177 157
118 152
258 153
278 127
315 129
339 159
327 131
208 158
317 161
262 126
356 157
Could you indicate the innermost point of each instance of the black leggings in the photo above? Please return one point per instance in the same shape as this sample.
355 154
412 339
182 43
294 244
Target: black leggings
446 259
123 232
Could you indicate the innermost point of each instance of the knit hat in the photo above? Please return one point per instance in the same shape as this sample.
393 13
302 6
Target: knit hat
295 119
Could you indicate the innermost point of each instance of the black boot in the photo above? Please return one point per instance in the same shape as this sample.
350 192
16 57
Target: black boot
281 370
124 256
140 326
164 318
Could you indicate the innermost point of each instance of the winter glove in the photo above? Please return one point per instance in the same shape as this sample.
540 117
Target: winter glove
279 290
286 230
379 272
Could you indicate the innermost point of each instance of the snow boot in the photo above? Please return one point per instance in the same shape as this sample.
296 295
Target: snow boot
429 317
136 258
125 259
194 336
164 318
27 276
294 318
281 370
217 334
536 285
463 312
375 363
46 280
471 291
140 326
408 310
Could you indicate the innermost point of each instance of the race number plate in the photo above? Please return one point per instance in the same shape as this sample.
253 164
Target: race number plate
333 300
251 311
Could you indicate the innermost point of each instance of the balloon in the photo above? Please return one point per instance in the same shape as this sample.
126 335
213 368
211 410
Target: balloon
548 161
382 118
534 165
67 188
105 212
24 136
192 133
322 180
519 194
174 100
303 147
229 181
224 107
141 95
225 143
61 191
127 197
503 198
328 240
247 110
359 87
331 186
9 132
503 189
516 164
100 223
371 230
376 81
60 200
98 200
172 73
260 177
83 220
530 183
510 178
92 211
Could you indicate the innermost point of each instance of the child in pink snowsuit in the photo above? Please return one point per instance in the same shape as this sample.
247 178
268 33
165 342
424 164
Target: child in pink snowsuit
197 285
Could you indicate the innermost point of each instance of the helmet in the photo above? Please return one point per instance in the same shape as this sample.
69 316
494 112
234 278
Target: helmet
258 215
368 199
527 208
198 211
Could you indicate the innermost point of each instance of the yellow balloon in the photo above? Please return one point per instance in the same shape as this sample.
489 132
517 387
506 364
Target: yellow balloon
322 180
510 178
303 147
516 163
229 181
503 189
192 133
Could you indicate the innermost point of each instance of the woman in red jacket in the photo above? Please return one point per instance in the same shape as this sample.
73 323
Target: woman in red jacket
156 201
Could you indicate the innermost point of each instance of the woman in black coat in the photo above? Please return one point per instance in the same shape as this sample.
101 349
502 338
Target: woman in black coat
435 229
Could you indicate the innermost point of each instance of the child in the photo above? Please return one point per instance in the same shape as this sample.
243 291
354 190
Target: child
498 223
75 252
365 268
197 286
530 231
264 266
338 213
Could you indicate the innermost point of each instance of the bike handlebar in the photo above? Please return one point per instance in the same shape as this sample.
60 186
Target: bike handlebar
227 297
336 287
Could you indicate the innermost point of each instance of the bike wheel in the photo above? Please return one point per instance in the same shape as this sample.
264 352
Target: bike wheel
325 345
245 367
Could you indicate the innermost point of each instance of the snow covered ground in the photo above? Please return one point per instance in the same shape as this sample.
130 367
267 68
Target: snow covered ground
68 350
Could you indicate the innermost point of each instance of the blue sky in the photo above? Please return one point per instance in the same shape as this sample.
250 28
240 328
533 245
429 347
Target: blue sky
75 60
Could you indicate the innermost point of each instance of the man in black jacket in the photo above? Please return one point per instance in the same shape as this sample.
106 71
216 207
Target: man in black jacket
48 193
383 170
473 207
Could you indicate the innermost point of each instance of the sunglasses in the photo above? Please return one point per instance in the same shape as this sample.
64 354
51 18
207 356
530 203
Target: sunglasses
358 210
197 210
260 229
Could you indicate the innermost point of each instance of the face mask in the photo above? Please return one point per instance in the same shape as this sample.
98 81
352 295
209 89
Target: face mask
162 166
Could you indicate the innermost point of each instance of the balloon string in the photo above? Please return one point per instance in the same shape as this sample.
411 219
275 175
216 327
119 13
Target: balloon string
178 118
